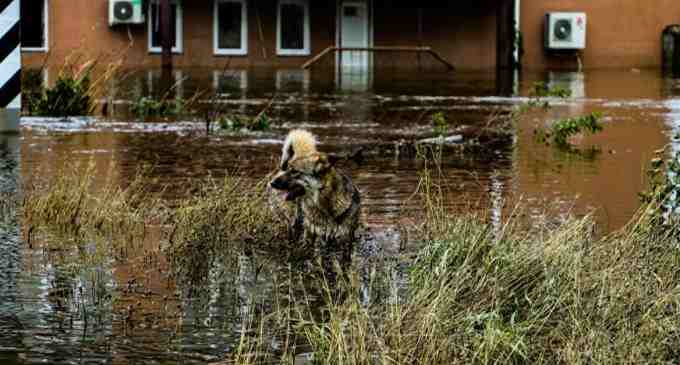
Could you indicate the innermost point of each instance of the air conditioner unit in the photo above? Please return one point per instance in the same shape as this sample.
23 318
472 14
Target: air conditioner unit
125 12
565 31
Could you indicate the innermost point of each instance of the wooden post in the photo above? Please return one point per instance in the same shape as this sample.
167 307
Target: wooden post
505 82
338 58
505 46
505 34
420 34
165 15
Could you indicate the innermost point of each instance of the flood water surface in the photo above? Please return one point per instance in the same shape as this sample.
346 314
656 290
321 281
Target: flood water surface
55 311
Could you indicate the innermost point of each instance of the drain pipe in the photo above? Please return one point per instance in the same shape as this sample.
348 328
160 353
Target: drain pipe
517 31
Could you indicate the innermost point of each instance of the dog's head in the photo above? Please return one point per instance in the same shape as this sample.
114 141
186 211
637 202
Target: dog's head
305 174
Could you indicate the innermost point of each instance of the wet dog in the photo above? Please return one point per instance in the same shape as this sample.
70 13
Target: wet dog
327 205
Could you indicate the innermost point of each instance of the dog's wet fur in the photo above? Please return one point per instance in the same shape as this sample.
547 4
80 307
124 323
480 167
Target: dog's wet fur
327 205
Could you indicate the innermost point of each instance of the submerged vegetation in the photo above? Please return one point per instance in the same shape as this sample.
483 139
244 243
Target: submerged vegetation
440 124
222 219
540 91
237 123
68 97
147 108
76 88
562 130
69 205
529 291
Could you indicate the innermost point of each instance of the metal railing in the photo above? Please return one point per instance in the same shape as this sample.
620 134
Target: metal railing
334 49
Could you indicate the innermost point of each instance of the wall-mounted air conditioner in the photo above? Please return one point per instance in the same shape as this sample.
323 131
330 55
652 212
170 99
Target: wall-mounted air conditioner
125 12
565 31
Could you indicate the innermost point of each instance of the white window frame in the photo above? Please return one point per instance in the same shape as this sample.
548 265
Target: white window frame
46 31
178 27
244 30
306 51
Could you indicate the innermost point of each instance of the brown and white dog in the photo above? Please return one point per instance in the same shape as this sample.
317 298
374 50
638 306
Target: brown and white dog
327 204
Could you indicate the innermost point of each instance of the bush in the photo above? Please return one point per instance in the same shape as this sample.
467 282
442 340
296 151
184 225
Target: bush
563 129
70 96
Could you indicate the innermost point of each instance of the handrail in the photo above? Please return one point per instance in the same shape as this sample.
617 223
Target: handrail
330 49
319 56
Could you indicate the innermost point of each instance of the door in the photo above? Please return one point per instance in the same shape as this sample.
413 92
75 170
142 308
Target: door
354 26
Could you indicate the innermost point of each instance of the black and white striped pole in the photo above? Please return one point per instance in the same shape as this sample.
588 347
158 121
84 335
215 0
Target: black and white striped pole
10 65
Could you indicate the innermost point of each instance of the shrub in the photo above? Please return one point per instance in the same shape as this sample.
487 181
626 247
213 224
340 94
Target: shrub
563 129
77 87
68 97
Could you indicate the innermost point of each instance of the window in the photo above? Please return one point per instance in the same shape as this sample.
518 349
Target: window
34 25
230 27
293 28
155 26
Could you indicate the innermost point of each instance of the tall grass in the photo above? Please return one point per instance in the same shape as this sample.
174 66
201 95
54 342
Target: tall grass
70 203
220 221
476 293
539 295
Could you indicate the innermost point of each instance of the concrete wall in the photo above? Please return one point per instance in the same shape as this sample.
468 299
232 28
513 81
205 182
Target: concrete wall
86 31
620 33
462 33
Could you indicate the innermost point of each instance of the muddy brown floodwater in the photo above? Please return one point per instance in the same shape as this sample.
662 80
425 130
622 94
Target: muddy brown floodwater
52 311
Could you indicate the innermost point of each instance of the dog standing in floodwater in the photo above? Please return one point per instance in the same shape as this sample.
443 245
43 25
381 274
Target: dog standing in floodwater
326 202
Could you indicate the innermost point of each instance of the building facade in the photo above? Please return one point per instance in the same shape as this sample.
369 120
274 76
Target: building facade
620 33
288 33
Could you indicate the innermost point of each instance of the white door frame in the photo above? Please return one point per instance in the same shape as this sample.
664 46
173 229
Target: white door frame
338 28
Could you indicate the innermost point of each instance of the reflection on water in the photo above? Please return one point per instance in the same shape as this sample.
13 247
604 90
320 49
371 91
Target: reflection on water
10 247
130 310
